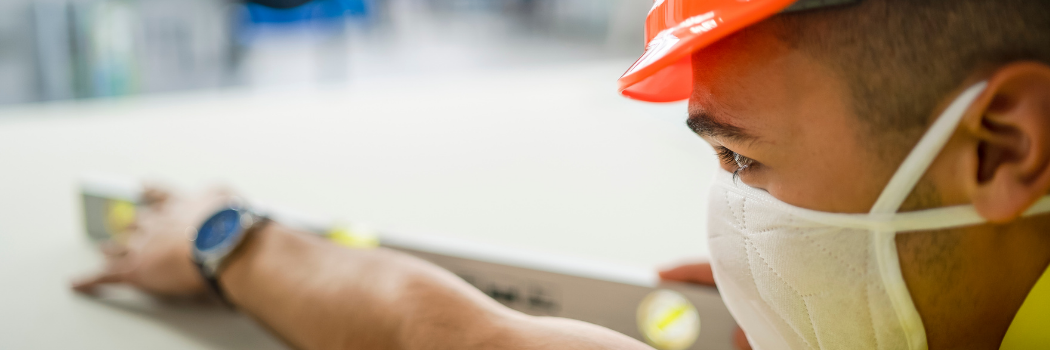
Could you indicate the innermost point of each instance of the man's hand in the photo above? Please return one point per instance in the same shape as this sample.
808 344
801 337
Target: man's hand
701 274
156 258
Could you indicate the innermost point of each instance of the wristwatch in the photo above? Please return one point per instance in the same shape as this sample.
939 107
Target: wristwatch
218 239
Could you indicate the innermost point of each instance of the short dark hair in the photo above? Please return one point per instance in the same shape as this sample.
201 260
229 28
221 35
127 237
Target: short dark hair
901 57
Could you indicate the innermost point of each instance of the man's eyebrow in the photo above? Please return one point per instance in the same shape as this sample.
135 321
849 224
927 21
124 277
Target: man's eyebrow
704 124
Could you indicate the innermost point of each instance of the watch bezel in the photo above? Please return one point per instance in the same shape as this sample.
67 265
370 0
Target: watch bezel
211 259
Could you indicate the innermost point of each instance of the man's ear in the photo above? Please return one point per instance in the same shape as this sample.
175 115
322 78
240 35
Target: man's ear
1013 142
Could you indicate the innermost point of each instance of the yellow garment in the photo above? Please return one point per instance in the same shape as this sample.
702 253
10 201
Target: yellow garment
1030 328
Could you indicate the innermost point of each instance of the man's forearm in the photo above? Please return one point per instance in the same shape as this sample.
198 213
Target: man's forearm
321 296
318 295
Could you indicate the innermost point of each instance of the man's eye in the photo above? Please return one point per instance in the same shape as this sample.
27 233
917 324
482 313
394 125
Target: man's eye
728 157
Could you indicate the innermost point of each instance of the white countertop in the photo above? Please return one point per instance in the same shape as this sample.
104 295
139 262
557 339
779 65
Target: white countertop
547 159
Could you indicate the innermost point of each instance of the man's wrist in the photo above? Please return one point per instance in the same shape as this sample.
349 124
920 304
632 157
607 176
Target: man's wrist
220 239
237 267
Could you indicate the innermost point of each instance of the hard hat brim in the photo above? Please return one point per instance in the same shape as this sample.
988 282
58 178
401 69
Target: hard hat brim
677 28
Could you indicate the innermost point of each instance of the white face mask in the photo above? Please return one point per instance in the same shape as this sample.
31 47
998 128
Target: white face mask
801 279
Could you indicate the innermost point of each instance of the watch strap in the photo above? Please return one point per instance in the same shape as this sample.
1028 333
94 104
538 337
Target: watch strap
212 283
211 276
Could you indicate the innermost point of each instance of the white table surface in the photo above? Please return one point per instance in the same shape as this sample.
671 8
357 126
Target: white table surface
547 159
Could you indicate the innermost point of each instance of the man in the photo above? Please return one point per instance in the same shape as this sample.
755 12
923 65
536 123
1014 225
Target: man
817 113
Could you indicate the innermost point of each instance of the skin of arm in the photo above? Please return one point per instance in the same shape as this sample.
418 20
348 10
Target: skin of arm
321 296
317 295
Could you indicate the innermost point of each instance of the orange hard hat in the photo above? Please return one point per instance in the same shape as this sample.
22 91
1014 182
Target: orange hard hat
674 29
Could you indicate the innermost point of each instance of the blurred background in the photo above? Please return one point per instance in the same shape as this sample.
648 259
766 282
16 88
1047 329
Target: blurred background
490 121
76 49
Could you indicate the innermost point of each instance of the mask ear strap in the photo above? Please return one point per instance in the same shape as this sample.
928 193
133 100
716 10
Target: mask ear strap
925 152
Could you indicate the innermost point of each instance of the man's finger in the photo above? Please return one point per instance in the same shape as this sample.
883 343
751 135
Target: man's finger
88 285
699 273
741 340
154 194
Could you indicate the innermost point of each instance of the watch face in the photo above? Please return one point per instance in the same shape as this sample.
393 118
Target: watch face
218 229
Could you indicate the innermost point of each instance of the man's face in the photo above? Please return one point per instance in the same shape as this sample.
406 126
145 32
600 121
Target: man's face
791 115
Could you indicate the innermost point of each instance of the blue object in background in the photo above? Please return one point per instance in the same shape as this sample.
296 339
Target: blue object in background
321 17
317 10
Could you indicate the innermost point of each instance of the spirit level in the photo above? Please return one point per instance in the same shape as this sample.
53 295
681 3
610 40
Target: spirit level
668 316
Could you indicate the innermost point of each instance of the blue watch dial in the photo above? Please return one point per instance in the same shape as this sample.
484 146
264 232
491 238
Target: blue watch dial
218 229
